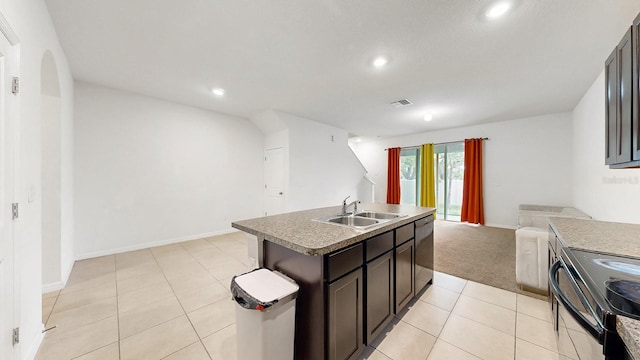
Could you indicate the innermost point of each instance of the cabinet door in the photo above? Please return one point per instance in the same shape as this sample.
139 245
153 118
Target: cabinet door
379 300
625 98
611 104
345 317
635 39
404 274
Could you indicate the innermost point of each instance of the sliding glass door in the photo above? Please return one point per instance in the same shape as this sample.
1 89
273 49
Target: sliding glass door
410 176
449 163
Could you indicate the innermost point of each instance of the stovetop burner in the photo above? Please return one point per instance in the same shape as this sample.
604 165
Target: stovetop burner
612 281
624 296
622 266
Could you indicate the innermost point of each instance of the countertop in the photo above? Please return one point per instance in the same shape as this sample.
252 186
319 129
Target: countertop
299 232
606 237
602 236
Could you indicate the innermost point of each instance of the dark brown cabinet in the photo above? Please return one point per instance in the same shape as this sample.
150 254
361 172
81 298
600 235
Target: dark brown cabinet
344 318
345 303
611 107
379 299
622 147
635 42
404 274
348 297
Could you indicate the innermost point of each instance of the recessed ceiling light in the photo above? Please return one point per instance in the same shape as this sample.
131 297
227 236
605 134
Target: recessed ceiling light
218 91
380 61
498 10
428 117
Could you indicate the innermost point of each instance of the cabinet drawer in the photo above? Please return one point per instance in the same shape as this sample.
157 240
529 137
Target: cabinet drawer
343 261
378 245
404 233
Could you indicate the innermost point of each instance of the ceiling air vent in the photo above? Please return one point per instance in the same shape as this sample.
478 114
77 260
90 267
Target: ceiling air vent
401 103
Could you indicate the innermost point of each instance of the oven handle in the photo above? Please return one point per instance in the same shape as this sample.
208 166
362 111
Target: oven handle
595 331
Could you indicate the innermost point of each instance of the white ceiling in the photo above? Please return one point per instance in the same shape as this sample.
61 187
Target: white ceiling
312 58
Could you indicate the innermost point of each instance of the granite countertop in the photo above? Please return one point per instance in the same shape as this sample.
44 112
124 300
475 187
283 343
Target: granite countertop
607 237
602 236
629 331
299 232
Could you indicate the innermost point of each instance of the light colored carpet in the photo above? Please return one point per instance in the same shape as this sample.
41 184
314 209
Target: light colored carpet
479 253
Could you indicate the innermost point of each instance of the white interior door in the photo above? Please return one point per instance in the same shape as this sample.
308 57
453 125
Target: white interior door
274 175
8 318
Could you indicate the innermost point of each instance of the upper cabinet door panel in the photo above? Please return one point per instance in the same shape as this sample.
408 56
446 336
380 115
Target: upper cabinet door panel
611 112
625 98
635 40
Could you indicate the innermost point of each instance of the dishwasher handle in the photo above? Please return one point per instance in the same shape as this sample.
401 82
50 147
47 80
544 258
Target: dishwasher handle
595 330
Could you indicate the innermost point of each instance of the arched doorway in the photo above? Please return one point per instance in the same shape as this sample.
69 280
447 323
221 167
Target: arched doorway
51 178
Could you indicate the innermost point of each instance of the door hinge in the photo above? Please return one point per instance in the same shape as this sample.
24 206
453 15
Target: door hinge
16 336
15 85
14 211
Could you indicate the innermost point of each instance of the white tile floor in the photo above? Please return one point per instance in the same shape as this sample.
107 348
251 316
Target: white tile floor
173 302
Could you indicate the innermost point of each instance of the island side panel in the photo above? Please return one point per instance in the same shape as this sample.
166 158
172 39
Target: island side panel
307 271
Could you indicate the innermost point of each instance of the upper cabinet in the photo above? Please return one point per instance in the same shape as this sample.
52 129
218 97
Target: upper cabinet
622 101
620 94
635 40
611 108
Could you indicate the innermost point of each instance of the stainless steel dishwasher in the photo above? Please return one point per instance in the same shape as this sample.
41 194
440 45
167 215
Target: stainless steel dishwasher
424 252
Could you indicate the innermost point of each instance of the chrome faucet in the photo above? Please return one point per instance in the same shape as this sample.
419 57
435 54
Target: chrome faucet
345 205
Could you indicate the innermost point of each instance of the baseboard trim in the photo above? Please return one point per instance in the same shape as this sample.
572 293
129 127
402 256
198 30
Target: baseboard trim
58 285
151 244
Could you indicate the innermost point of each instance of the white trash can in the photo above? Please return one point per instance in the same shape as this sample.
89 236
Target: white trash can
265 314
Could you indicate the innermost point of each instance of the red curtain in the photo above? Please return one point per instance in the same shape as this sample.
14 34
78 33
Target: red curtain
472 203
393 176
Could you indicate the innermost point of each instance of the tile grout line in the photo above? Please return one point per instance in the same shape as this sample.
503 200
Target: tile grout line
162 323
448 317
463 350
52 307
438 306
417 328
185 312
98 348
486 301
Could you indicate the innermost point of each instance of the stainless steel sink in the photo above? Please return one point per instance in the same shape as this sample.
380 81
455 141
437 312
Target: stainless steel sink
353 221
362 220
378 215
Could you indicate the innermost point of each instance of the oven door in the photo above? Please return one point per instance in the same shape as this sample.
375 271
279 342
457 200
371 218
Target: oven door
578 330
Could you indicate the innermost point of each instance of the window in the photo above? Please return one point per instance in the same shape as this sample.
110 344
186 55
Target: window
410 176
449 163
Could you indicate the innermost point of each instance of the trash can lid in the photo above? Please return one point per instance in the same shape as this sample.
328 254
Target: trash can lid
265 285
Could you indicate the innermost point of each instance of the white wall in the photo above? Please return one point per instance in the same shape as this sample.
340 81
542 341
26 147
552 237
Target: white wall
322 168
605 194
52 274
31 22
150 172
525 161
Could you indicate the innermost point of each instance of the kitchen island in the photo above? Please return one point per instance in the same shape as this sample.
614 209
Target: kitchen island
351 281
